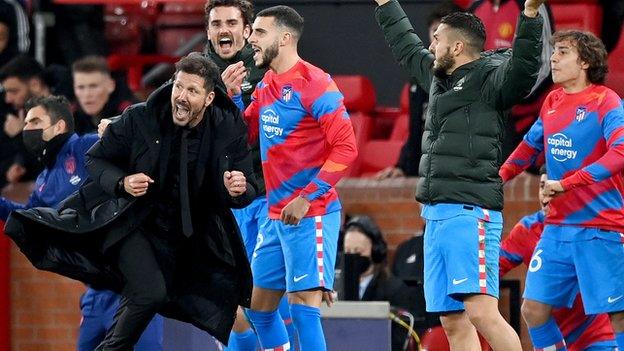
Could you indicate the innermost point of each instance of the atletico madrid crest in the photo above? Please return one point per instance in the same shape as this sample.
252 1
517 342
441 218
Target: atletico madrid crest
581 111
287 92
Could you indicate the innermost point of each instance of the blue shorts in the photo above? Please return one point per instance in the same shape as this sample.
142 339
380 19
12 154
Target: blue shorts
569 259
294 258
461 248
249 220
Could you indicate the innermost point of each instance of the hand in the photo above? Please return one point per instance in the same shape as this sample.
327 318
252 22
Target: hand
329 297
294 211
552 188
13 124
104 122
389 172
233 77
15 173
235 183
531 6
137 184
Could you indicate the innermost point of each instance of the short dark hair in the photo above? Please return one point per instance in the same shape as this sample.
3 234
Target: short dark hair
91 64
22 67
591 50
445 8
198 64
246 8
469 26
285 16
58 108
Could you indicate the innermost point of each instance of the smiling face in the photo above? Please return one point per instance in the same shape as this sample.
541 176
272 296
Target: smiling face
265 41
227 31
189 99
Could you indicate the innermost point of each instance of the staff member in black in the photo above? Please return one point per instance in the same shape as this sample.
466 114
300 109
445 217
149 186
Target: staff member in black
168 171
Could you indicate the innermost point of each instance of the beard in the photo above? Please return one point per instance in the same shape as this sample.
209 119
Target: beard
268 55
191 114
443 64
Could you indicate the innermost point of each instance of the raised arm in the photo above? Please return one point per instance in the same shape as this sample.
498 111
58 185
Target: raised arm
407 48
512 80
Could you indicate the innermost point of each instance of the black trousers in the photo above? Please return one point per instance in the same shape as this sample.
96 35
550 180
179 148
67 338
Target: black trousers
145 291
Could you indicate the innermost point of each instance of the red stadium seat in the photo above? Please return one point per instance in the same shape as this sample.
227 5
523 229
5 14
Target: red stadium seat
177 24
615 77
578 15
434 339
400 130
122 29
376 155
358 91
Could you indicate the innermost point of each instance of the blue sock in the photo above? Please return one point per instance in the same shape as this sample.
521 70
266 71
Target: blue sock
284 311
619 339
547 335
270 329
245 341
307 320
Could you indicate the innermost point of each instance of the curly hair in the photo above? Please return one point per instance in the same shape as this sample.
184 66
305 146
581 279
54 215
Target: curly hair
590 49
245 7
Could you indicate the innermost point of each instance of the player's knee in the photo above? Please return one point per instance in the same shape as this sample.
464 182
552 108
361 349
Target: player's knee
482 318
534 313
454 323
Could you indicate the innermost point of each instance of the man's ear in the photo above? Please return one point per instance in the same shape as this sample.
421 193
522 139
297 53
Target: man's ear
458 48
247 31
60 127
209 98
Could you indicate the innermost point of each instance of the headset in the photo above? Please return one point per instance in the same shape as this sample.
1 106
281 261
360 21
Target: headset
368 227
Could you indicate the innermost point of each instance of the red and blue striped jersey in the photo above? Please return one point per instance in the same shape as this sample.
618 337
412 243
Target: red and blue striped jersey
579 331
306 137
582 138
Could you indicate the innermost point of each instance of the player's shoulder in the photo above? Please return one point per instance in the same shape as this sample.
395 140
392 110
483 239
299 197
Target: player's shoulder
608 99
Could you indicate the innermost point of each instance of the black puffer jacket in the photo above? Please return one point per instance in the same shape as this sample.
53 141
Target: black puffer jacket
464 126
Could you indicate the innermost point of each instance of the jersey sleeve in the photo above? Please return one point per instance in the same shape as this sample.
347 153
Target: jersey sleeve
329 110
514 249
526 153
612 162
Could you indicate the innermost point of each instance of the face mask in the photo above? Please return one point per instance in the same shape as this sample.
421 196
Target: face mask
33 141
362 263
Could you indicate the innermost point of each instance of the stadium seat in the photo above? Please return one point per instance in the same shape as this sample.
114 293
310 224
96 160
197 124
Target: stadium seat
122 29
177 24
359 93
359 99
577 15
615 77
376 155
434 339
400 130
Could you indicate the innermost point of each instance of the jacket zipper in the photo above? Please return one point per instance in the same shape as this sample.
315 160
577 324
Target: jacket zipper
432 107
470 148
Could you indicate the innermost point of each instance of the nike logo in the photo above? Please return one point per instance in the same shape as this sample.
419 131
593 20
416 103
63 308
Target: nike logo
411 259
613 299
550 112
456 281
296 279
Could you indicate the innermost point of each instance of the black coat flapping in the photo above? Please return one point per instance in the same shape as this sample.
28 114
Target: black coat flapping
212 274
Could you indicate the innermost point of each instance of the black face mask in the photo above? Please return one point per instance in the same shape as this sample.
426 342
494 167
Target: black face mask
33 141
362 263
